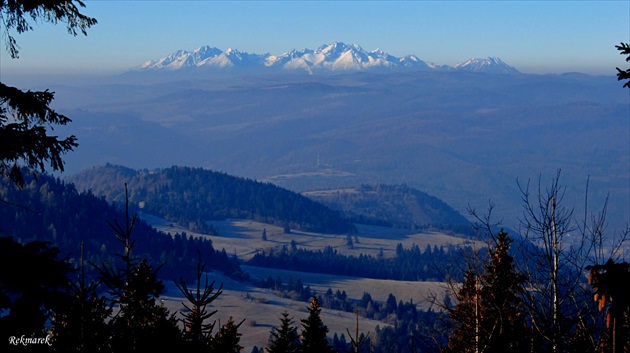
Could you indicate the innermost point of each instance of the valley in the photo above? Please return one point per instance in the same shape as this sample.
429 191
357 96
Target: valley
465 137
243 300
243 238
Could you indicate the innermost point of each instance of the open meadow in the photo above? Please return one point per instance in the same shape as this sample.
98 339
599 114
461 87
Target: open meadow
261 308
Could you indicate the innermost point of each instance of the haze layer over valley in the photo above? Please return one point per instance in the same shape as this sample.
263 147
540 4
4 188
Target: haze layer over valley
465 137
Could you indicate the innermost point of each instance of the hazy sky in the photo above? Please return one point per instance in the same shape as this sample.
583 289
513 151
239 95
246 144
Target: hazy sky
533 36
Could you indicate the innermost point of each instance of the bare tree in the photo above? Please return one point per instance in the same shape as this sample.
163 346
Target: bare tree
557 249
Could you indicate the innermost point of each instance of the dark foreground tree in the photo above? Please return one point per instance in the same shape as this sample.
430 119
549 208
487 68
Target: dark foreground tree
314 332
624 49
24 139
24 116
33 284
465 316
502 305
556 297
197 332
227 339
357 340
15 15
489 315
139 323
610 283
80 325
284 339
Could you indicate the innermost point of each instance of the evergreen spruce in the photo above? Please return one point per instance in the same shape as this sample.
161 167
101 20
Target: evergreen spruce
501 302
489 316
197 333
140 324
81 324
465 316
284 339
227 340
313 336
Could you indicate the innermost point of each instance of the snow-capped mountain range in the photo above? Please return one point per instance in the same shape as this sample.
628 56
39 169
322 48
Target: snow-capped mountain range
335 57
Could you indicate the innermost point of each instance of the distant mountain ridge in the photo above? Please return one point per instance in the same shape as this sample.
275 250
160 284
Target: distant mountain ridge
334 57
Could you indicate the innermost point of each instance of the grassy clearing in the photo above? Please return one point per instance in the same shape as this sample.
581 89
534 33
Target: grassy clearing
261 308
243 238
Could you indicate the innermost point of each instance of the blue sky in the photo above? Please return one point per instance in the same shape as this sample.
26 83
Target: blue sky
533 36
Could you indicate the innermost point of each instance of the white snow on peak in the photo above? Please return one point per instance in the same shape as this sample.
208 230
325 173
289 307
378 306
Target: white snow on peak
487 65
336 56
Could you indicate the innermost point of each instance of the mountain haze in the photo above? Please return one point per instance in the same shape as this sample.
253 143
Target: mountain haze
465 137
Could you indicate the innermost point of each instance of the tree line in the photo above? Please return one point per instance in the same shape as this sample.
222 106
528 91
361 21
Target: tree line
409 264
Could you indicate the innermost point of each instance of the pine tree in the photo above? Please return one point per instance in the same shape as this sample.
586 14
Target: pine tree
140 324
197 333
26 119
81 324
313 336
501 302
489 316
465 316
284 339
227 340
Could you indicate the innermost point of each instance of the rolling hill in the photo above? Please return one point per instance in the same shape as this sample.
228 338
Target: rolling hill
397 206
193 196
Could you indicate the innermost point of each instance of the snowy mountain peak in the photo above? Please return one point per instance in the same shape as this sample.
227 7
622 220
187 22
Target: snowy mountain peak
487 65
332 57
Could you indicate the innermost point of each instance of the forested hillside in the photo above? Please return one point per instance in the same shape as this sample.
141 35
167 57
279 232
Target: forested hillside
48 209
398 206
192 196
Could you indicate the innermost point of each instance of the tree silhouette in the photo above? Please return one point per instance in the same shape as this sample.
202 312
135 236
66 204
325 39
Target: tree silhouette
14 14
502 305
465 316
227 340
24 140
313 335
624 49
81 324
284 339
489 315
553 268
198 333
610 283
358 340
139 324
33 284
